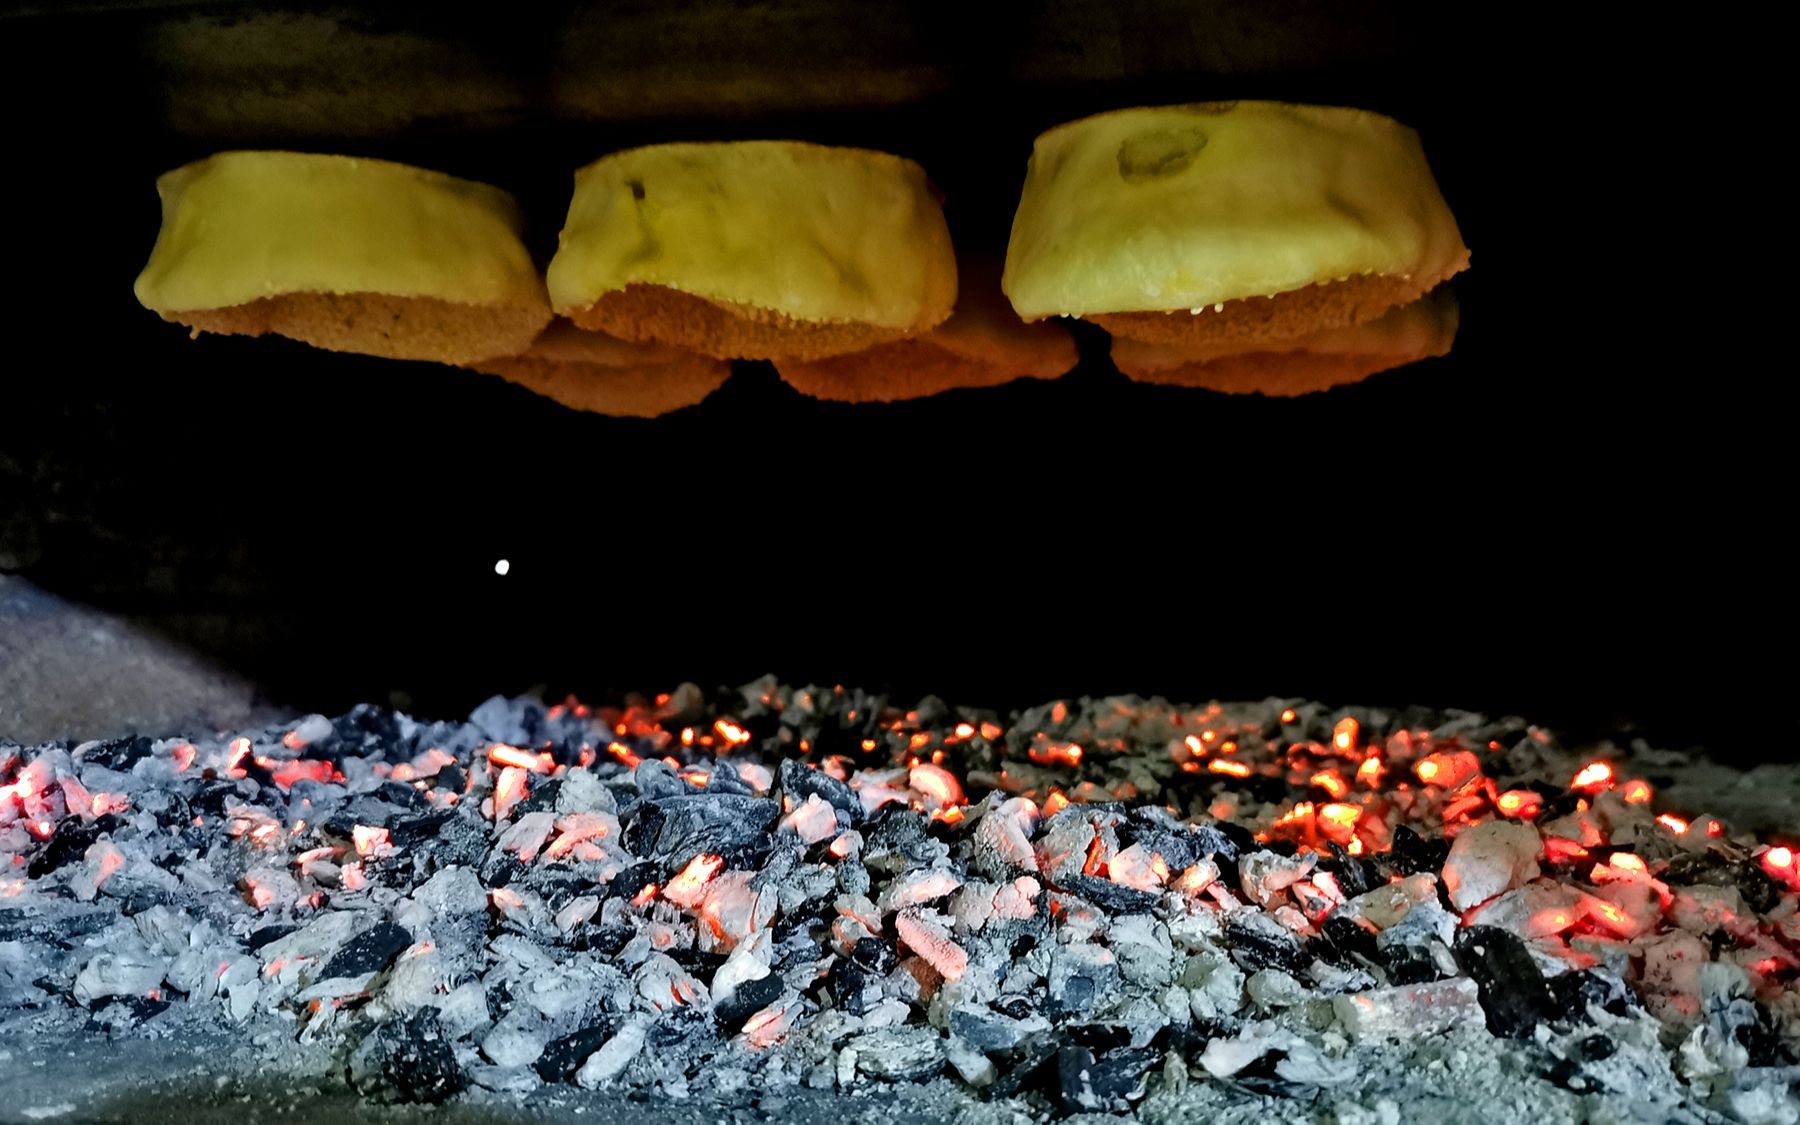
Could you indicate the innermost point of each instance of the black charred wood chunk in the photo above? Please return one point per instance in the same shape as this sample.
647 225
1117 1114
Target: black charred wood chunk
1345 941
678 828
848 979
608 941
367 952
408 1060
750 998
1257 941
631 881
451 779
1514 994
410 831
69 842
802 781
1409 964
1109 1082
1578 990
263 936
563 1057
1025 1064
1114 898
1412 853
118 753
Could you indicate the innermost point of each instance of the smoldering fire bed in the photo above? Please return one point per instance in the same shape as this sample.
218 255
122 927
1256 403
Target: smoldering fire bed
1492 814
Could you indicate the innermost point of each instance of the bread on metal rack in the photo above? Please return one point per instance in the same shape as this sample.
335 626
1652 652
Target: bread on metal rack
754 249
1228 222
344 253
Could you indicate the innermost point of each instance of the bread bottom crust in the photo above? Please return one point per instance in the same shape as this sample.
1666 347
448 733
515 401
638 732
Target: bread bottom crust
380 324
624 392
1330 304
656 314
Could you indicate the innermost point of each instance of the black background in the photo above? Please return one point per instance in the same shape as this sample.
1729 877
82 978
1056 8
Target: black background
1571 517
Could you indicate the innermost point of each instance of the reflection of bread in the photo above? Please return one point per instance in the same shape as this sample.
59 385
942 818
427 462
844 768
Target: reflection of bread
346 254
1314 362
590 371
755 250
1229 221
983 344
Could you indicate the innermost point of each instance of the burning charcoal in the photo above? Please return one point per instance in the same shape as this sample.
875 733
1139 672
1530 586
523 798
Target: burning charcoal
1514 993
117 753
368 952
562 1057
407 1060
1488 859
1081 977
1423 1009
1345 943
452 779
1108 1083
1025 1063
408 832
748 999
1579 989
613 1056
1114 898
679 828
266 934
70 842
992 1031
899 1053
898 841
1413 854
801 781
1259 942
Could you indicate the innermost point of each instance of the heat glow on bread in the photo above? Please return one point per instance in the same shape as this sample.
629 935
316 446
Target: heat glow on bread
754 250
983 344
1317 361
593 372
346 254
1228 221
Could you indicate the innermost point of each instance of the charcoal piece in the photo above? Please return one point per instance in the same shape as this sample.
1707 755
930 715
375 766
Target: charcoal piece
1575 991
1018 1007
1760 890
454 841
901 1054
750 998
1355 876
407 1060
725 779
266 934
1114 898
501 868
1257 941
1106 1083
1080 977
847 980
1408 964
749 855
542 798
801 781
1514 994
986 1030
1346 943
675 829
903 833
1412 853
411 832
118 753
368 730
700 962
1027 1064
875 954
681 1029
402 795
631 881
367 952
657 780
70 842
451 779
136 1008
212 796
563 1057
1763 1041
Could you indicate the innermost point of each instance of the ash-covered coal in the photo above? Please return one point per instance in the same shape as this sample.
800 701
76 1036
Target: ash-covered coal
1078 908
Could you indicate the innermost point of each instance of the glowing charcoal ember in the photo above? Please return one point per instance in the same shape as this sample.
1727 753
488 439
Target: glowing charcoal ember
1264 875
527 835
509 789
1534 911
813 820
1448 769
1139 868
576 828
269 889
1488 859
1524 804
504 755
688 887
371 842
936 786
770 1025
1344 735
925 935
1593 777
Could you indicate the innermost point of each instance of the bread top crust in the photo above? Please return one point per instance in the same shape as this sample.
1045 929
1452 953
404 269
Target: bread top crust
242 226
808 232
1180 207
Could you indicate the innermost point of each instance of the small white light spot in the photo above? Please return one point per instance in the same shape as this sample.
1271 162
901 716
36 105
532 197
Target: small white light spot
502 566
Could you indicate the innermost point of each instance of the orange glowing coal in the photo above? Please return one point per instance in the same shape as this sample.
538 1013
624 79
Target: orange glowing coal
522 759
1343 736
1235 769
1055 802
1636 792
1593 777
1329 781
687 888
1675 824
731 732
645 895
1521 803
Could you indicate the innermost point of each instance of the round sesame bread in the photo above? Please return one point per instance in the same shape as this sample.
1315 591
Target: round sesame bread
1228 221
1315 362
754 249
983 344
346 254
594 372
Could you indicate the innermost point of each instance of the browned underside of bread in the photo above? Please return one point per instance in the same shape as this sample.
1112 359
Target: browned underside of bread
901 370
1277 374
627 392
380 324
655 314
1333 304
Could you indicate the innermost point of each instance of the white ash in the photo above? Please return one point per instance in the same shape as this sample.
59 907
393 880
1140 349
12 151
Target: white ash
507 907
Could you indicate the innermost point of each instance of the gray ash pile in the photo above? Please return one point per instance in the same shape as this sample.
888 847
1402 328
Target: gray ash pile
1070 909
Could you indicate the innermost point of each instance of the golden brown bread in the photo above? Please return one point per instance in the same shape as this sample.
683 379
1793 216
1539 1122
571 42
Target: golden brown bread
593 372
